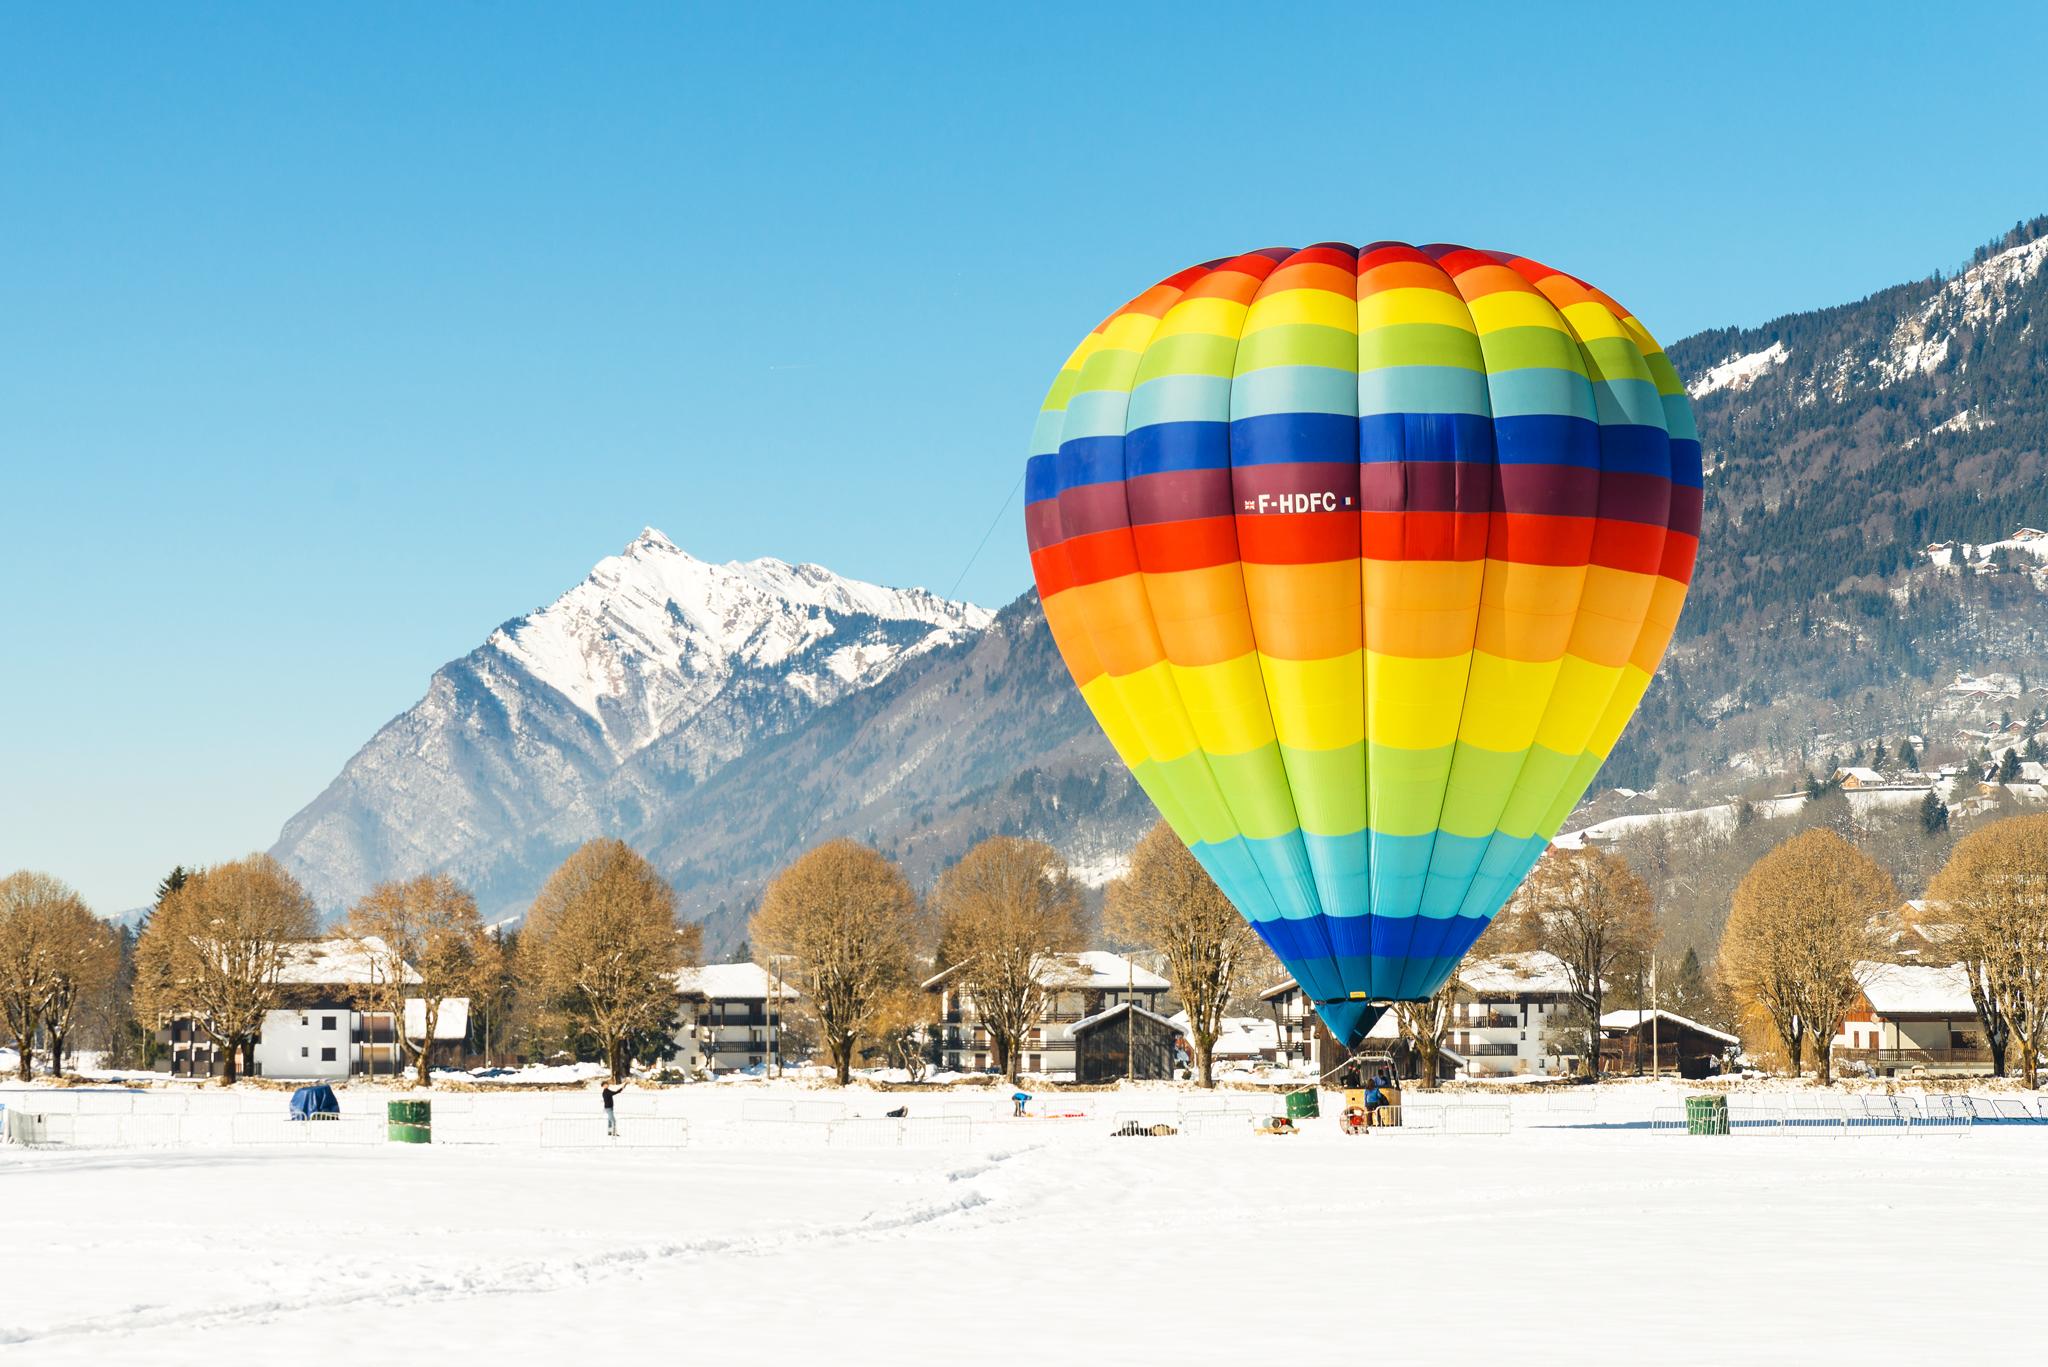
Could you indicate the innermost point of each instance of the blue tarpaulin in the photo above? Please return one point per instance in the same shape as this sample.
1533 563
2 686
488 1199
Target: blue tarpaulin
311 1102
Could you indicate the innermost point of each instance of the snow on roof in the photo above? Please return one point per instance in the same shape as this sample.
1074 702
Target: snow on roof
1629 1020
1091 968
1100 968
451 1022
1513 974
1859 773
1916 989
1090 1022
1280 989
741 982
341 959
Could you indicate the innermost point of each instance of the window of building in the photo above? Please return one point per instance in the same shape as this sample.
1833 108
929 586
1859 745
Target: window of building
303 1052
327 1055
327 1022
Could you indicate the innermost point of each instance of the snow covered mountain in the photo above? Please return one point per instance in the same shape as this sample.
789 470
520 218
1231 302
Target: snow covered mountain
586 717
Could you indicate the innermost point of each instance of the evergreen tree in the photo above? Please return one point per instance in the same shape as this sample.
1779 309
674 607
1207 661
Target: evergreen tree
1933 814
1908 759
2009 766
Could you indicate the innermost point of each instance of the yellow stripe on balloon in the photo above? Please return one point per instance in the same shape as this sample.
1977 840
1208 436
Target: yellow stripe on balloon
1209 316
1504 701
1576 704
1513 309
1414 704
1319 308
1387 308
1226 704
1316 704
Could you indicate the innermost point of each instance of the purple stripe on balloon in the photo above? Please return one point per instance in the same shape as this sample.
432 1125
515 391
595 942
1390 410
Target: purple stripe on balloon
1685 509
1427 486
1091 508
1179 496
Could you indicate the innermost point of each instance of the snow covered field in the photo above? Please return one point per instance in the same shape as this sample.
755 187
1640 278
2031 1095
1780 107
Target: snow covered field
1574 1238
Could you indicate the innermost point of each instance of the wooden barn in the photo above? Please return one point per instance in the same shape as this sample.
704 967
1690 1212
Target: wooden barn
1123 1041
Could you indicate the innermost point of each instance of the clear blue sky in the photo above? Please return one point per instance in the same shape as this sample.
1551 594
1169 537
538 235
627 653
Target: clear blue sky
333 336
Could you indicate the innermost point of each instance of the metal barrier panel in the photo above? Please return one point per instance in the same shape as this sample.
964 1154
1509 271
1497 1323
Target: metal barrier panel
1749 1117
1577 1100
971 1110
512 1131
635 1132
1957 1122
282 1129
816 1111
1668 1120
885 1132
1219 1124
1150 1121
93 1103
754 1109
1478 1120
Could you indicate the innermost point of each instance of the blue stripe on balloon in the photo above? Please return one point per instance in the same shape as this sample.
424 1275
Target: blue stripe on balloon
1167 447
1284 438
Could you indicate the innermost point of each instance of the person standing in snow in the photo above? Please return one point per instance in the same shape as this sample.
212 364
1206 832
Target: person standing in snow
611 1115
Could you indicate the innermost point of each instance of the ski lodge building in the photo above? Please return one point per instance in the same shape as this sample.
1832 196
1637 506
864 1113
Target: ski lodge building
1913 1016
1086 1033
730 1018
325 1028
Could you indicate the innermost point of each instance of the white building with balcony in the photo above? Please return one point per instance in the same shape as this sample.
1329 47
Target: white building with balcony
1505 1020
1078 988
730 1018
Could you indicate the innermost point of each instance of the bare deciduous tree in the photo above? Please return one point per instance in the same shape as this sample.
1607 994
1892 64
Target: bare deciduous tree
848 921
87 955
601 947
1424 1025
1589 909
1996 888
1004 910
1800 924
213 952
37 916
425 940
1169 903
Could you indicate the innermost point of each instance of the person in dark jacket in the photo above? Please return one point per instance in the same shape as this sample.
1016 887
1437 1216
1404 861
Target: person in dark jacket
611 1115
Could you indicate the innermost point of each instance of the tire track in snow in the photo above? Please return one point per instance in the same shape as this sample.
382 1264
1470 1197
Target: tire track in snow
528 1275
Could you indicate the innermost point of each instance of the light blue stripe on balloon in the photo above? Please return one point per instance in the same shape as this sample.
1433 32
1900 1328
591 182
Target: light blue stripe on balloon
1096 413
1180 398
1294 389
1628 403
1045 433
1678 418
1541 391
1422 389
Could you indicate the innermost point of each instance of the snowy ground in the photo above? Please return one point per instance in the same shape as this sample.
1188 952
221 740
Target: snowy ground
1571 1239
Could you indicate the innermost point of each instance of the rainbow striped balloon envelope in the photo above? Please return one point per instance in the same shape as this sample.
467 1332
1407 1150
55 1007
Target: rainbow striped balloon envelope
1363 558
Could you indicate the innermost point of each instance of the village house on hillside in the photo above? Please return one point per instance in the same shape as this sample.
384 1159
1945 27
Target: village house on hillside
730 1017
327 1028
1101 1014
1912 1016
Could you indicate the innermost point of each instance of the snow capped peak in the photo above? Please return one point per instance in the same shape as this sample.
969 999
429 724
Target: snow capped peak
652 541
1738 372
1979 297
653 633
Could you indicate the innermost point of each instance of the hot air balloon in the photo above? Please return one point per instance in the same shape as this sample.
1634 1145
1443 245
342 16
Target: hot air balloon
1363 557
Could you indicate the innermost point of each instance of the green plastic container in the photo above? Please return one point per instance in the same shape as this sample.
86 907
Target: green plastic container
1706 1115
409 1122
1304 1105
